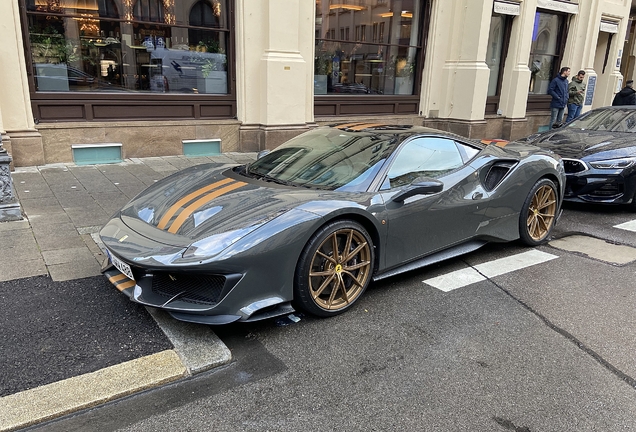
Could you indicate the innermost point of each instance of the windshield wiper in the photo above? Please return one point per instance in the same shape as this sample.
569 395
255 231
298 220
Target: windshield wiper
271 179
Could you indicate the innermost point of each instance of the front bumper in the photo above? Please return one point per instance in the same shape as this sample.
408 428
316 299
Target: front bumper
600 186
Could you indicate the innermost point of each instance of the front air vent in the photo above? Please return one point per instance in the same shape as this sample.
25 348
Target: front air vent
496 174
574 166
198 289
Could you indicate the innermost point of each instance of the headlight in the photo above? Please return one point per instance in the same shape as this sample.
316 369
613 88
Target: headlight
614 163
217 243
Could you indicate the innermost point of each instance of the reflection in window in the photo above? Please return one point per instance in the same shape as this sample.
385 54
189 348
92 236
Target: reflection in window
628 124
597 120
494 50
157 46
383 59
424 157
544 51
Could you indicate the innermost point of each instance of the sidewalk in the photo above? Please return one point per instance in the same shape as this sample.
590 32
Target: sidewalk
65 205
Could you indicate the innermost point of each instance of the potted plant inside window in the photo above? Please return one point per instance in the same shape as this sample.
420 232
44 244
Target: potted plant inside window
322 65
51 54
404 73
213 68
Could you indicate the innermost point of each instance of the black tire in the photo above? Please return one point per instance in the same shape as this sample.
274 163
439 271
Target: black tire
328 283
538 213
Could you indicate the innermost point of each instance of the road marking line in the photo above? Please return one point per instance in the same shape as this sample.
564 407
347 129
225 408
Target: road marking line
456 279
478 273
629 226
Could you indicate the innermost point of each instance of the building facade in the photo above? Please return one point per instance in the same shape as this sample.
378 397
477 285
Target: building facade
150 76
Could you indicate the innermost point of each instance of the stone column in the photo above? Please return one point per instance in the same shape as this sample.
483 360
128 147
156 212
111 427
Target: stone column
461 30
16 118
275 50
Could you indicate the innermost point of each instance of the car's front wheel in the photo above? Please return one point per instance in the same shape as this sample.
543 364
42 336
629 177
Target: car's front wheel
538 213
334 269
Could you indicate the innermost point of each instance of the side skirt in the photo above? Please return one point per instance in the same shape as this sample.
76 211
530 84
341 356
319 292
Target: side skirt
451 252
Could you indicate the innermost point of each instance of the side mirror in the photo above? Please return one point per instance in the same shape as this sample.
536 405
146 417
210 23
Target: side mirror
261 153
419 187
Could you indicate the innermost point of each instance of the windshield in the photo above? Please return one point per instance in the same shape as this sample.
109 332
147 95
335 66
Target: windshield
598 120
327 158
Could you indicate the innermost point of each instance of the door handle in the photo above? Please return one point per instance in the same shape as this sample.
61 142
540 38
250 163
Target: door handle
478 195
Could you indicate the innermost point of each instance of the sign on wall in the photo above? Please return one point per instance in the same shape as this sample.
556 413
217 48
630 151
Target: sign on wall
558 6
589 92
608 26
506 8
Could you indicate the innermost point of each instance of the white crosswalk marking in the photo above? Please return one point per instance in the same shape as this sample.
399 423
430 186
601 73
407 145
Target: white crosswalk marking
629 226
467 276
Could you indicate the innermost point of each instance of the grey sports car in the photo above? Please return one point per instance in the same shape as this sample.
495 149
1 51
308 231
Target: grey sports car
312 223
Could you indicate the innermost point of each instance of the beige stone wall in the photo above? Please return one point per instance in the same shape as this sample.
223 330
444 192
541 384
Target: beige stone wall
274 80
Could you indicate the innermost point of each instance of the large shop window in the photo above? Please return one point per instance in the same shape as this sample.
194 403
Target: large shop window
112 60
367 48
546 51
111 49
498 38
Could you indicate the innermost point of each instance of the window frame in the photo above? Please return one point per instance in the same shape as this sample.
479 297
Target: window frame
492 102
541 102
51 107
385 179
335 105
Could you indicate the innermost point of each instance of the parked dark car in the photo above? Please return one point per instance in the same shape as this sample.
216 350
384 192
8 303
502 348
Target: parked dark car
599 154
310 224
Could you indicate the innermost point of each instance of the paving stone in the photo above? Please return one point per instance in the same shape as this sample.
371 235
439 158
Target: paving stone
58 239
91 216
40 204
14 226
48 218
85 267
27 268
18 246
64 256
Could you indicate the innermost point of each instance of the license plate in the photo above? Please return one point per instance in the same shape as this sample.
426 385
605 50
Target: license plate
121 266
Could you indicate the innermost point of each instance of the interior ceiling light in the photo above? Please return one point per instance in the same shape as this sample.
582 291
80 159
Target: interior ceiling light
346 6
405 14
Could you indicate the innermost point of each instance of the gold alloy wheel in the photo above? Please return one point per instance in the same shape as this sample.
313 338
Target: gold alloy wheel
541 212
340 269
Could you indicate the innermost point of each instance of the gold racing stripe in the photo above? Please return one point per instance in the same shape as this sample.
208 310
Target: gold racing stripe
200 203
121 281
348 125
497 142
179 204
366 126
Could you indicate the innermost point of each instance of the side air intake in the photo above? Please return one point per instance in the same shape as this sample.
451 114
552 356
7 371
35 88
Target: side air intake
497 173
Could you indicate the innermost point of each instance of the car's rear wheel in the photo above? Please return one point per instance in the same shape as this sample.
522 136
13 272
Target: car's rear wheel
538 213
334 269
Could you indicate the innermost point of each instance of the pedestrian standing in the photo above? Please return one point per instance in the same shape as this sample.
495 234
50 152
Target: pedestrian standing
558 89
627 96
576 90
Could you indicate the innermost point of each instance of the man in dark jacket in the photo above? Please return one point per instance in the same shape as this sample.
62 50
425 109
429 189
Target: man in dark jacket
558 89
627 96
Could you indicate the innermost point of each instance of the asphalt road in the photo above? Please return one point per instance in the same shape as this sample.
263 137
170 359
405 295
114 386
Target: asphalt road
56 330
549 347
